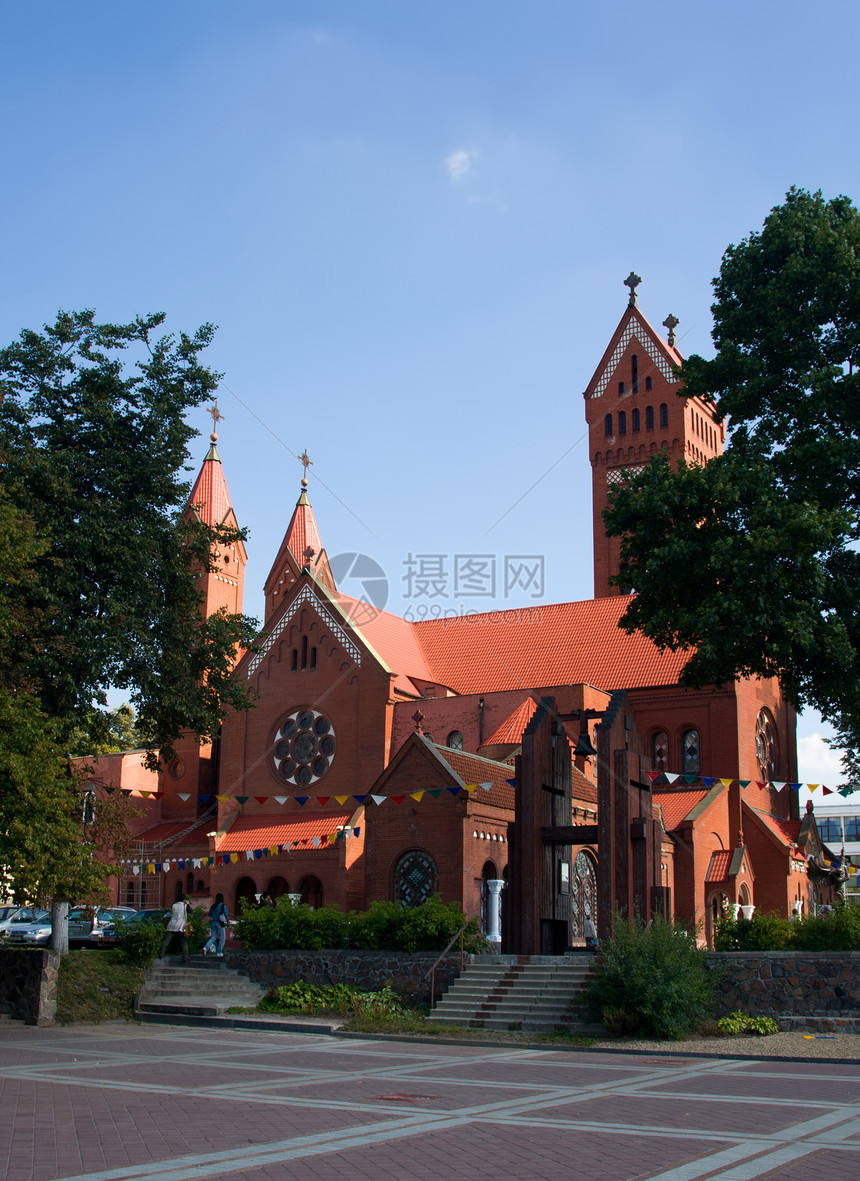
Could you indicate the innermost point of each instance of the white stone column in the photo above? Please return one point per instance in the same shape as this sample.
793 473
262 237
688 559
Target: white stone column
748 912
494 909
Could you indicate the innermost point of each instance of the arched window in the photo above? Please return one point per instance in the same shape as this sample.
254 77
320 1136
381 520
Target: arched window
311 891
649 418
635 420
607 425
246 893
455 740
690 744
635 363
178 889
664 414
189 883
767 746
129 893
277 887
660 750
583 901
620 388
415 878
647 383
622 422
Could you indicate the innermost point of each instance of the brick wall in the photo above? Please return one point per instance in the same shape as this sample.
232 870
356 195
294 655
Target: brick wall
800 989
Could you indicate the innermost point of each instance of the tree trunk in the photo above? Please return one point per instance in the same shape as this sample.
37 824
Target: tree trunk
60 925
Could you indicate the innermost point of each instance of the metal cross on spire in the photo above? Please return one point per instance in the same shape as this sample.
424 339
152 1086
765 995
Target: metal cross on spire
308 462
632 281
216 418
671 322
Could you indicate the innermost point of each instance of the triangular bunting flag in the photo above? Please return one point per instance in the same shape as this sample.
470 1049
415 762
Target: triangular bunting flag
435 792
332 837
652 775
222 799
455 791
126 791
280 799
744 783
512 782
779 786
813 786
184 795
729 782
341 800
316 842
360 799
417 795
379 799
261 799
761 783
156 795
301 800
397 799
234 858
204 799
249 855
323 800
146 794
470 787
825 791
241 799
688 778
708 781
671 778
485 786
846 791
795 786
274 850
356 832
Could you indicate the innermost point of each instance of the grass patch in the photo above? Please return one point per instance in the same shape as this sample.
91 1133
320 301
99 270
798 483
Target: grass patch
96 986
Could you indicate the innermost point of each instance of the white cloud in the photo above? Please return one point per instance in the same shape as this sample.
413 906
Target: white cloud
460 164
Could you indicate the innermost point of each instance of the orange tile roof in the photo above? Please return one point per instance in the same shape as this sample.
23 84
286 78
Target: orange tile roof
787 830
511 729
302 530
394 640
582 788
544 645
718 870
677 805
167 832
475 769
209 496
262 832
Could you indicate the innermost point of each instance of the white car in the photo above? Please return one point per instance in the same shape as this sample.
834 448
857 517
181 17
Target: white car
88 926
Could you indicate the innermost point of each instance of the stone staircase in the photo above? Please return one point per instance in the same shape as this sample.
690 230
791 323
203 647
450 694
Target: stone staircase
201 986
538 993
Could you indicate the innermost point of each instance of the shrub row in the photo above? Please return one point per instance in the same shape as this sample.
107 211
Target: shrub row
385 926
837 930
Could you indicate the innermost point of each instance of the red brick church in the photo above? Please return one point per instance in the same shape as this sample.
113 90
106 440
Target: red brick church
378 761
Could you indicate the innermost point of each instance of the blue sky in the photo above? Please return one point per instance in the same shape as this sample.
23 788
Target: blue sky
411 223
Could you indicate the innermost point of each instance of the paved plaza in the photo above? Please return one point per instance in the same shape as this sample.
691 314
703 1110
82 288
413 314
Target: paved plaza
178 1104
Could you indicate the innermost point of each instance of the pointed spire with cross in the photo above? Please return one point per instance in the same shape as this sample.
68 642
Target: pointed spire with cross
305 459
632 281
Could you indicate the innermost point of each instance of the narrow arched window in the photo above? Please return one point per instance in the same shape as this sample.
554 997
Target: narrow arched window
455 740
691 752
647 383
620 388
649 418
664 414
635 362
607 424
635 420
660 750
622 422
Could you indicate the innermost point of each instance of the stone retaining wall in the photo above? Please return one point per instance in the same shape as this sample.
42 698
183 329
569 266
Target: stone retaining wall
28 984
799 989
369 970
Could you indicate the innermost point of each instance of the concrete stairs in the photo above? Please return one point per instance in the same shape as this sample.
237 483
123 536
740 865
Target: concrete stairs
537 993
201 986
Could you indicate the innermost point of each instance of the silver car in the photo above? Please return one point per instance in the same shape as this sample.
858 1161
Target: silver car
31 926
87 926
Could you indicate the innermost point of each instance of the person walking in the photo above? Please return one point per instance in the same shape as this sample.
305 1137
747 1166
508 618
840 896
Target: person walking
217 915
176 926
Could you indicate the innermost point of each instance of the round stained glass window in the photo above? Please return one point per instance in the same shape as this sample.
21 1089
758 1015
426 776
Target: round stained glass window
303 747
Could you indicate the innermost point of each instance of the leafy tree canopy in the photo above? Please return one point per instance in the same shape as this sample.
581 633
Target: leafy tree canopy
98 573
751 561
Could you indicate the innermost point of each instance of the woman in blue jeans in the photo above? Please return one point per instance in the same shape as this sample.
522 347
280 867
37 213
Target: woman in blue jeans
217 916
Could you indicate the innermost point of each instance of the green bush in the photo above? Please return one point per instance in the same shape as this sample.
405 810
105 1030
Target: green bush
140 943
738 1023
765 931
652 979
837 930
301 997
387 926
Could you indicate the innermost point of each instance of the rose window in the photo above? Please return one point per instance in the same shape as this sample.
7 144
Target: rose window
767 746
304 747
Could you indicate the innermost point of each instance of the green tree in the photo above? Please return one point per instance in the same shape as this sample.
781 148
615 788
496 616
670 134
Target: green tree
98 579
751 562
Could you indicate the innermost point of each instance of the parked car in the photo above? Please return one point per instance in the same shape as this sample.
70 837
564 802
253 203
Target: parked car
113 930
7 914
87 926
31 926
